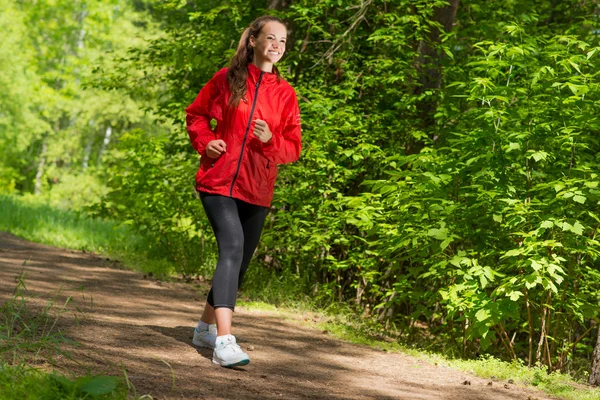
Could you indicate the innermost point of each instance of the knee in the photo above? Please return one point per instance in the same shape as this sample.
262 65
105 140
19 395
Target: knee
233 250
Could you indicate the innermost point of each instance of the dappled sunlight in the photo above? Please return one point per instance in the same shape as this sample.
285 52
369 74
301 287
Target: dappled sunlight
122 320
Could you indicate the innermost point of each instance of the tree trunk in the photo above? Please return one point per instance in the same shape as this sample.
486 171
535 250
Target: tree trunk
40 170
104 144
429 62
86 154
595 374
278 4
429 67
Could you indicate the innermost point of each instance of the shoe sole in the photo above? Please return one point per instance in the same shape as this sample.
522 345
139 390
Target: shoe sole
237 364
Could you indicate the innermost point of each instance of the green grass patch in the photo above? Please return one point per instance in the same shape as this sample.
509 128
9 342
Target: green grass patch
557 384
35 220
21 382
28 332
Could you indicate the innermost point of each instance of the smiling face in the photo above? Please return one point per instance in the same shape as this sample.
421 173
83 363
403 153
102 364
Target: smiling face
269 46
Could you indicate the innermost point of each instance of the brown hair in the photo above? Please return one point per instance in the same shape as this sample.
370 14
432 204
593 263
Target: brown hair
238 67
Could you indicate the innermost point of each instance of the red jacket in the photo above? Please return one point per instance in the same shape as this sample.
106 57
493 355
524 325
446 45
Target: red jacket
247 170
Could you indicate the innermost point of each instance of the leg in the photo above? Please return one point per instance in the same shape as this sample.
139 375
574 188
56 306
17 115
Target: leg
253 220
223 215
208 315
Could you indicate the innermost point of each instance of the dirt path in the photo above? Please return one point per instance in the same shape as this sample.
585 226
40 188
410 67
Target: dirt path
141 324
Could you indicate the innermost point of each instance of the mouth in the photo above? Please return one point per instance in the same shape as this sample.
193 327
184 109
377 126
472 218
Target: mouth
275 53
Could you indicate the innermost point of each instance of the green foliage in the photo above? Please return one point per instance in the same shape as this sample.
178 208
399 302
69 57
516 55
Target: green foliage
51 126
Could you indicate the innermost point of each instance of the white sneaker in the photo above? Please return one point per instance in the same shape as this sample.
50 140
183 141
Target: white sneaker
205 338
228 353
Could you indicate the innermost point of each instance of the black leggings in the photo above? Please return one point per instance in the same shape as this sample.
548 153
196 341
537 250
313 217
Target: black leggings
237 226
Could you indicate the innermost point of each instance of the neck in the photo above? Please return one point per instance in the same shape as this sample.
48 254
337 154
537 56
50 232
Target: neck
263 65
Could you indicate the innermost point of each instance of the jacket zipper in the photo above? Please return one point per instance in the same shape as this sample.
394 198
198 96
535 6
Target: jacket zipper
237 171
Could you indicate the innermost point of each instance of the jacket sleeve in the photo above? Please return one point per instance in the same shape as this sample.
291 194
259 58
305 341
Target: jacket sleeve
285 147
198 116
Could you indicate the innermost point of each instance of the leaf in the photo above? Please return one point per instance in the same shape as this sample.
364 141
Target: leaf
574 65
100 385
482 315
439 234
539 156
513 253
577 228
446 243
489 273
547 224
513 146
483 281
579 199
448 52
535 265
515 295
497 218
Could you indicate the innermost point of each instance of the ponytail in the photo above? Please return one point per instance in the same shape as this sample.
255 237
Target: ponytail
237 74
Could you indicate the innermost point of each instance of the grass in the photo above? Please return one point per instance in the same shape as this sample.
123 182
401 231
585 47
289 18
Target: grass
28 332
35 220
21 382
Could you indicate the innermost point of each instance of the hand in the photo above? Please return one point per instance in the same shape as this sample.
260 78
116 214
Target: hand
215 148
262 131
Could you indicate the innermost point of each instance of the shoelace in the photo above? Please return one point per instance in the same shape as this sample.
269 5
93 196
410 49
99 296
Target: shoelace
234 347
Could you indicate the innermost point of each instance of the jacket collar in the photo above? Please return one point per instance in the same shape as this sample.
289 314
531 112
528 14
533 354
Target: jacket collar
254 73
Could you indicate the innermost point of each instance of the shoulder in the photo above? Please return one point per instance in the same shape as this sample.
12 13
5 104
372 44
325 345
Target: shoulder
221 73
287 91
218 80
285 86
220 77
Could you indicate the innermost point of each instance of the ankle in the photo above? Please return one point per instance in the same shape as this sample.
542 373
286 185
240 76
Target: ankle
202 326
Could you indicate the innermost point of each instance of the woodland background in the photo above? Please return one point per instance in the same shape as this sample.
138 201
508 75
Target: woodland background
447 191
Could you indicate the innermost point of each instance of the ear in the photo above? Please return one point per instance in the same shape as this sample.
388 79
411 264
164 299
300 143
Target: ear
252 41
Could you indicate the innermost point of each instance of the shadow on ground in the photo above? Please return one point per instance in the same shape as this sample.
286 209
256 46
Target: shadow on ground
123 321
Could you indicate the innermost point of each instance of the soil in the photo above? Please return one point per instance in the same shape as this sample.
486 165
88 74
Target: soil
123 320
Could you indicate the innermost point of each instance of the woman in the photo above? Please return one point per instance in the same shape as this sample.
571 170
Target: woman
258 127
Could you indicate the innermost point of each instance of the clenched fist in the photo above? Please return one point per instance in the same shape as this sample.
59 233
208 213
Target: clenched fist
262 131
215 148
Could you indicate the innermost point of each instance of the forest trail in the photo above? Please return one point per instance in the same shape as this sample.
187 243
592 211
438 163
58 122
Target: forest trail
142 324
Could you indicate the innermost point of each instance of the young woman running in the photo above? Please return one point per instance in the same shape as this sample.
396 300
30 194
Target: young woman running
258 127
